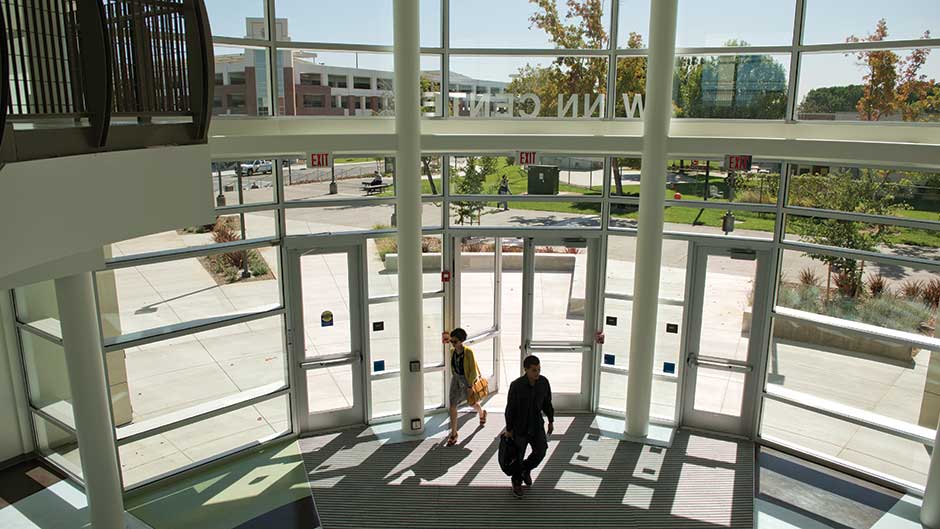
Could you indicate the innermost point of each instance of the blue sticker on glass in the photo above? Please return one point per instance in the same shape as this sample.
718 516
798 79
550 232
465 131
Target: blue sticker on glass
608 359
378 366
669 368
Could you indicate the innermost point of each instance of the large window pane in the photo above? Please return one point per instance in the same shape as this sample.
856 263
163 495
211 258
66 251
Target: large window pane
336 83
47 376
238 18
702 179
172 451
834 21
351 22
353 176
734 23
191 371
184 290
227 228
633 24
881 377
896 193
880 238
691 219
36 304
845 442
630 99
58 445
242 181
241 82
527 87
552 174
879 294
521 24
833 86
731 86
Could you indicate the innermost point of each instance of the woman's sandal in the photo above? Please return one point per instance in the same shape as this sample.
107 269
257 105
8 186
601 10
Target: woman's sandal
483 418
452 439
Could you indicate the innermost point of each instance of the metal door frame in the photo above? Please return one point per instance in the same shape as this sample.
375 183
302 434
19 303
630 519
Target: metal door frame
354 248
588 345
696 273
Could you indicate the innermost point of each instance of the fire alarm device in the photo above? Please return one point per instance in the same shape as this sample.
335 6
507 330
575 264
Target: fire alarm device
599 337
445 276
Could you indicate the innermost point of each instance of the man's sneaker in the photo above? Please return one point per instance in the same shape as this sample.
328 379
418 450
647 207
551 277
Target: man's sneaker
517 490
527 478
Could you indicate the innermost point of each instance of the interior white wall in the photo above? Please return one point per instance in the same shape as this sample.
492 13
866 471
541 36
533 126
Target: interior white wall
15 438
56 208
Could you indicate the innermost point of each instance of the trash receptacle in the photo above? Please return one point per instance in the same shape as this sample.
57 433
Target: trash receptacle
543 179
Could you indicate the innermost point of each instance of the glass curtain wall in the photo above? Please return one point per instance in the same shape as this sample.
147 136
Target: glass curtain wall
585 60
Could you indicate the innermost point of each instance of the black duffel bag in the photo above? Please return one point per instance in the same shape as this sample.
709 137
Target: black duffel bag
507 454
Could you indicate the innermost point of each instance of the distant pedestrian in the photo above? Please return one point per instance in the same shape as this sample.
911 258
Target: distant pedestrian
464 372
504 190
376 179
529 396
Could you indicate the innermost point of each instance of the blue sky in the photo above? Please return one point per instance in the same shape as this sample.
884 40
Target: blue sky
504 23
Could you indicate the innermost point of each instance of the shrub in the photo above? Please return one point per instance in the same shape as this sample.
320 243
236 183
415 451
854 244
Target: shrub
894 313
930 293
800 297
225 230
912 288
808 277
847 284
877 285
257 265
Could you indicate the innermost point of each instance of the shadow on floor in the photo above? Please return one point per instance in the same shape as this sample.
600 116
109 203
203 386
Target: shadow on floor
362 478
265 488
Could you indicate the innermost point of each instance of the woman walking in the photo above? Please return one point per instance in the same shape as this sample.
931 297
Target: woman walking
464 371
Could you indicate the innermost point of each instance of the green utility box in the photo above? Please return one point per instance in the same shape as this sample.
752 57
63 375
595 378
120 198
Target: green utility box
543 179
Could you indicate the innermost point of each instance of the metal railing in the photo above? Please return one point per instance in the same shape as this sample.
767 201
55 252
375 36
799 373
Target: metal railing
76 70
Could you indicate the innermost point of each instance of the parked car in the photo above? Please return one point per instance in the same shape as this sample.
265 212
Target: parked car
255 167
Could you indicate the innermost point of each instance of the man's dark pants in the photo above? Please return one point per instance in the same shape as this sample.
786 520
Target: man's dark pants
539 444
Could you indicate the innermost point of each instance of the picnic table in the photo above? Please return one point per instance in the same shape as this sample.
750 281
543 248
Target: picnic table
374 189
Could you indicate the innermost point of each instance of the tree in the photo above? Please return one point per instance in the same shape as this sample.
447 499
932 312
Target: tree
831 99
868 191
469 183
894 85
567 75
426 163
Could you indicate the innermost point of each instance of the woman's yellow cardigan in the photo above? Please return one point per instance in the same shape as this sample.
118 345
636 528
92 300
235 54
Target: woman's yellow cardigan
470 368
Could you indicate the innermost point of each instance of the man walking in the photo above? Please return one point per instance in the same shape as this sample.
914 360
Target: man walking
529 396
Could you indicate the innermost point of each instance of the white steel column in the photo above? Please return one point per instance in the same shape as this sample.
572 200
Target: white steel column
90 403
657 115
930 510
408 184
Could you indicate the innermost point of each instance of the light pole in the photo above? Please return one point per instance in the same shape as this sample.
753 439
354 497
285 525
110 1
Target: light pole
219 200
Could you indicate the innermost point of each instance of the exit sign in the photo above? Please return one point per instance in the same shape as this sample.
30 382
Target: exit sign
320 159
738 162
527 158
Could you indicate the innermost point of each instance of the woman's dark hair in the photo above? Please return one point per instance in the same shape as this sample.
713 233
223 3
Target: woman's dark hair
530 360
459 333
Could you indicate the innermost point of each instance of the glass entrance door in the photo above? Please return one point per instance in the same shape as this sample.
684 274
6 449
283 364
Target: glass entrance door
724 338
325 337
478 300
559 288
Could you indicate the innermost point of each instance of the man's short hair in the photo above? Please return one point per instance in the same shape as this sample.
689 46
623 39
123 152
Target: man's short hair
459 333
529 361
